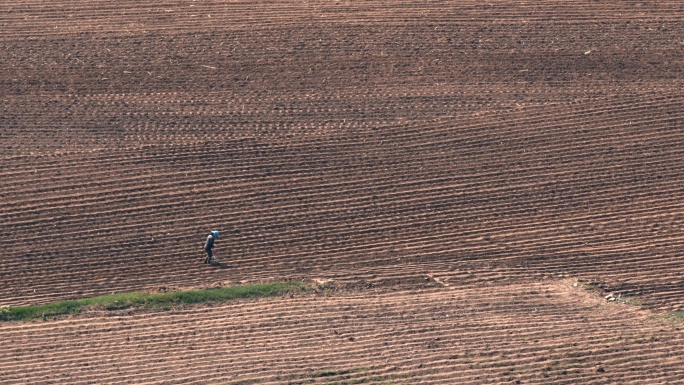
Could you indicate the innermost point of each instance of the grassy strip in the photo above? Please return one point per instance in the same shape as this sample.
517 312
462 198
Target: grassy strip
142 300
676 315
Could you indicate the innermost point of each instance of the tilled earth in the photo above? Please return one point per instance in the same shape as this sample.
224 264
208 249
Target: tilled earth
551 332
470 180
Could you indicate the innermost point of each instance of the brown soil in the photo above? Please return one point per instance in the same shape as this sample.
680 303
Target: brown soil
536 333
472 150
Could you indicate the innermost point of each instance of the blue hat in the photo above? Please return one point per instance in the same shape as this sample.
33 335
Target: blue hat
215 234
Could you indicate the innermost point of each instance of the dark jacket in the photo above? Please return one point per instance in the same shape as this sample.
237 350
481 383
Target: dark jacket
210 243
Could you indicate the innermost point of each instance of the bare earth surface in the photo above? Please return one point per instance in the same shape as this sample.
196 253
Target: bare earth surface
534 333
470 179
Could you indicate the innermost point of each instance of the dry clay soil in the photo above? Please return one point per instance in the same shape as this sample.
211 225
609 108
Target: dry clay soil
462 182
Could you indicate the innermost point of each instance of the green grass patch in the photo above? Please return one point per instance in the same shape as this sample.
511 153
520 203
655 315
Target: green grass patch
676 316
150 301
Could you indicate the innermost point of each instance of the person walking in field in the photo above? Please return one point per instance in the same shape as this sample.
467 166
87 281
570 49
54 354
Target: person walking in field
209 247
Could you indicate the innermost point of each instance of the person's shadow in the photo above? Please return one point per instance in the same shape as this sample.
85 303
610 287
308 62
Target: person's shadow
221 265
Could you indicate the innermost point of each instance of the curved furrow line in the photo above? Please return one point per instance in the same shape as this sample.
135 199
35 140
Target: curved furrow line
494 230
446 143
414 241
449 142
189 24
587 147
426 197
623 166
423 133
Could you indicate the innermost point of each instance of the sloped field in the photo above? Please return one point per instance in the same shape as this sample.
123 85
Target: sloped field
431 159
592 190
533 334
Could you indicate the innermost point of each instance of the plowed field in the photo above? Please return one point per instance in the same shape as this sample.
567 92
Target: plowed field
515 334
471 179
